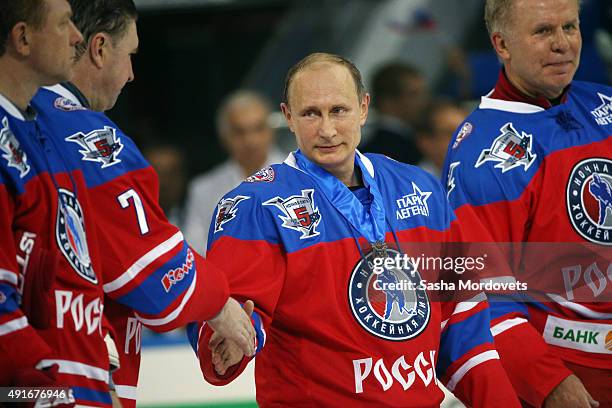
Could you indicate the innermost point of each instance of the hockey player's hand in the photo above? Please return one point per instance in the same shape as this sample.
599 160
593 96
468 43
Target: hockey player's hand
225 353
570 393
233 323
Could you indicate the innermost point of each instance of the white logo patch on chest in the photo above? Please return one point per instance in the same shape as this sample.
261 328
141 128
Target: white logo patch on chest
413 204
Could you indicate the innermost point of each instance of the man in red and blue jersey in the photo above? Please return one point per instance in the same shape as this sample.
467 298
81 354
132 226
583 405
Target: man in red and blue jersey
533 164
332 329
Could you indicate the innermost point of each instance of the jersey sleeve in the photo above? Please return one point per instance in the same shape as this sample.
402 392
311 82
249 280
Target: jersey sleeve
495 205
242 238
469 363
21 346
149 267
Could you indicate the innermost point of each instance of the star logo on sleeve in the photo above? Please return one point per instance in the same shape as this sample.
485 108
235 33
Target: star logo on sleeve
603 113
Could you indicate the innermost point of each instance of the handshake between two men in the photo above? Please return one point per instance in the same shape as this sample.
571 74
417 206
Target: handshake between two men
234 335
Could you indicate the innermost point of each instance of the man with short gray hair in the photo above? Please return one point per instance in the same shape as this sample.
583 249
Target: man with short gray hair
532 164
245 133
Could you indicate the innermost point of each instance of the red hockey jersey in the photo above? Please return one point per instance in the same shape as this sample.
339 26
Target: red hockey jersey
150 275
328 333
543 176
51 298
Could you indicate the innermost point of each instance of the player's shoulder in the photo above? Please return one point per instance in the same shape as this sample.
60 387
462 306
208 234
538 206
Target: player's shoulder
57 100
91 137
585 87
16 156
273 181
386 168
495 153
594 98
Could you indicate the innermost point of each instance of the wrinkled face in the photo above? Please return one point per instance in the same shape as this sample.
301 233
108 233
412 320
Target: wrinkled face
246 134
325 114
118 68
542 46
53 44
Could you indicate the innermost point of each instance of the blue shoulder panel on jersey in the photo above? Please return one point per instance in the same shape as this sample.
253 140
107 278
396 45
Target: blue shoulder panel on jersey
265 210
21 157
164 285
402 184
497 158
454 343
9 295
90 141
501 305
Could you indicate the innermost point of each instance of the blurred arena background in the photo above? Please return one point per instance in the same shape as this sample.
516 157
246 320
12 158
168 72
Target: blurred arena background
195 52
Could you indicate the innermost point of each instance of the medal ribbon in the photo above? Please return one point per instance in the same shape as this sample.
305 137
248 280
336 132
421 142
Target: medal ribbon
370 224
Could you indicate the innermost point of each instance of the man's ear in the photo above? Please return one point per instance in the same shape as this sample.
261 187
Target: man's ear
20 38
288 116
501 47
98 48
364 107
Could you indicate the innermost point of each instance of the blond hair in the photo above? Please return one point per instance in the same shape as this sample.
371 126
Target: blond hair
498 13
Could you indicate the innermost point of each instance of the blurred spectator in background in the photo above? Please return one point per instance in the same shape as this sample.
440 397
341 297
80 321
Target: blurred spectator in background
169 163
399 92
438 124
245 133
603 36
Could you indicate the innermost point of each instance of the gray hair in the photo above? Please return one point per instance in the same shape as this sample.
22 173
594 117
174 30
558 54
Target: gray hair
498 13
101 16
240 97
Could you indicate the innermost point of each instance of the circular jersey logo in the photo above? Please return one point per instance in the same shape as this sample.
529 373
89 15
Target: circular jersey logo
70 234
589 200
389 304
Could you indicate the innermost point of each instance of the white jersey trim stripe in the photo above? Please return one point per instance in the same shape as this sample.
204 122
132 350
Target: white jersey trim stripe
506 324
13 325
508 106
8 276
470 303
366 163
580 309
76 368
171 316
126 391
443 324
143 262
465 306
10 108
61 91
468 365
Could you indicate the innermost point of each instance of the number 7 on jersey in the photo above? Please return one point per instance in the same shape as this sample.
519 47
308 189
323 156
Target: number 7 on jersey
124 200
